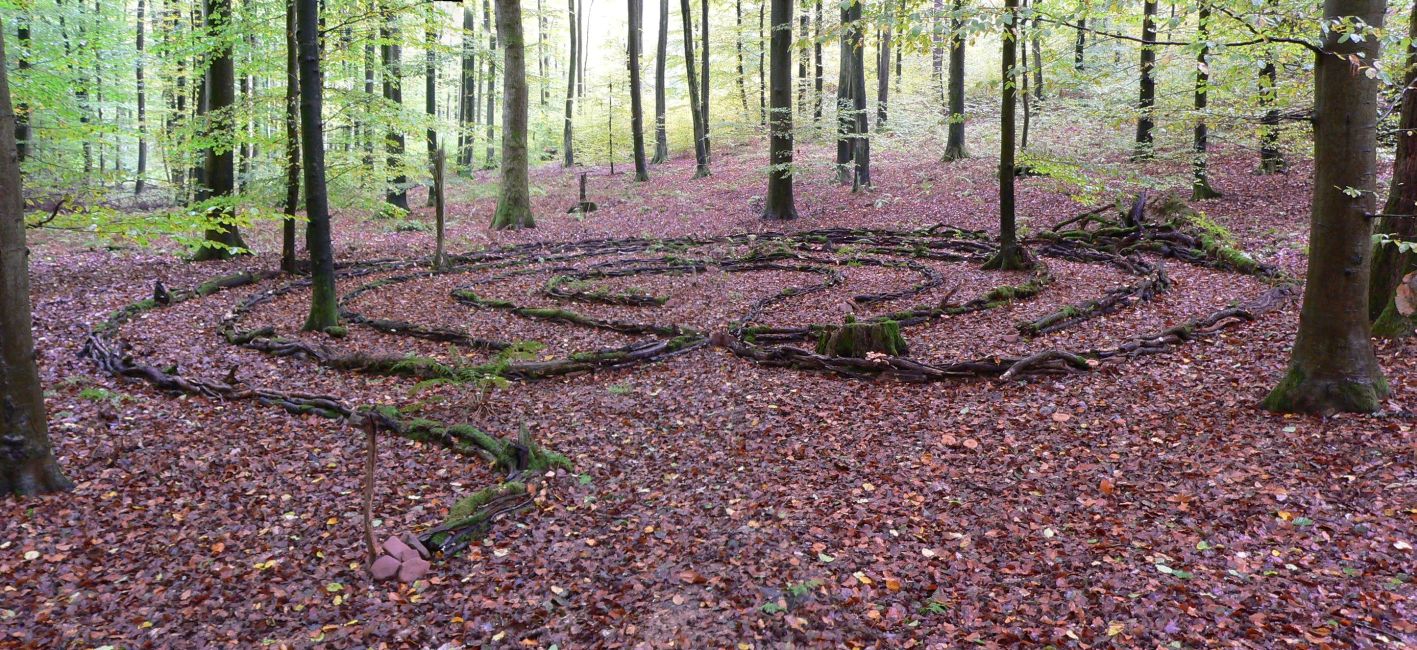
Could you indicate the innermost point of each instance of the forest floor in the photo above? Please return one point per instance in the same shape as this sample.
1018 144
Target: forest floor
715 502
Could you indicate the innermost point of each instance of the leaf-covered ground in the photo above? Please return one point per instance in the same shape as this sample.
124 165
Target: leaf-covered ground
716 503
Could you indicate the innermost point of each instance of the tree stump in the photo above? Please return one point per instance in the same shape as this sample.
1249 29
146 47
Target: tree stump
853 339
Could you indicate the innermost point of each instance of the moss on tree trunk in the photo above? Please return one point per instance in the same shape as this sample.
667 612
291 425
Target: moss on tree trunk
854 339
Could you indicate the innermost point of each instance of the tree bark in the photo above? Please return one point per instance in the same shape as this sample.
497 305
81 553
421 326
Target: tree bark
1200 178
883 78
430 88
324 308
567 142
661 135
954 143
780 204
1390 264
488 162
1010 256
704 75
742 76
845 107
391 55
637 115
27 465
1080 45
701 168
861 147
288 262
1332 367
514 197
467 96
819 69
140 175
22 112
762 67
1147 93
220 167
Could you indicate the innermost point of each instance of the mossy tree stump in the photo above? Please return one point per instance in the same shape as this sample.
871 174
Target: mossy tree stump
853 339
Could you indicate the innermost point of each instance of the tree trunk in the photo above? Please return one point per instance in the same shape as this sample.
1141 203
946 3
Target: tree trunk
861 147
704 75
288 261
430 88
489 161
1036 45
883 78
637 114
140 177
440 260
1147 94
762 68
1011 256
661 135
324 308
1390 264
1271 158
780 204
567 143
937 53
1080 45
541 51
467 94
742 76
818 68
1020 34
701 168
27 464
1332 367
22 112
514 197
954 144
391 55
845 108
803 59
369 136
1200 178
220 168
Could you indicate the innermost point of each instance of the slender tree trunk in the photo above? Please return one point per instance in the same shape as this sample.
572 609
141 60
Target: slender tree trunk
288 262
661 135
861 146
177 121
742 82
430 89
1147 95
1020 33
637 114
1271 157
1390 264
954 144
1332 366
937 53
818 69
27 465
324 307
804 58
468 94
780 203
490 159
567 143
22 110
704 75
1200 179
541 51
140 177
762 66
883 78
1011 255
369 136
391 55
701 168
1036 45
440 260
514 197
1080 45
220 170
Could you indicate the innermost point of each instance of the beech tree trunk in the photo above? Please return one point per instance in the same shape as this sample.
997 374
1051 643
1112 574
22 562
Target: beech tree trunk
27 465
491 91
1010 255
954 143
468 93
637 114
1080 45
738 38
22 112
1200 178
883 78
780 204
701 168
661 135
861 146
819 69
288 262
220 166
1147 95
324 308
762 66
430 89
140 175
567 143
391 55
514 197
704 75
1332 367
1389 264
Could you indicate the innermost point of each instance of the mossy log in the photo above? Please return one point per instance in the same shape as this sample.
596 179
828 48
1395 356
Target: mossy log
856 340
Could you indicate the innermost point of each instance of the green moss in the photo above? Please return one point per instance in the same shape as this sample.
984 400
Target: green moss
1393 325
858 339
1298 393
336 331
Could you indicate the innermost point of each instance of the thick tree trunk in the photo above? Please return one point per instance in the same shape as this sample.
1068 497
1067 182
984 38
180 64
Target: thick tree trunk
391 55
514 197
220 168
288 262
324 308
27 464
1011 256
845 109
140 175
637 112
1200 178
1332 367
1390 264
861 147
661 134
780 204
1147 94
701 168
954 143
567 142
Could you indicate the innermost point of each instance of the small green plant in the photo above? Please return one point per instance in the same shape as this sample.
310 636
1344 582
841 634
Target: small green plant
409 225
619 389
390 212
